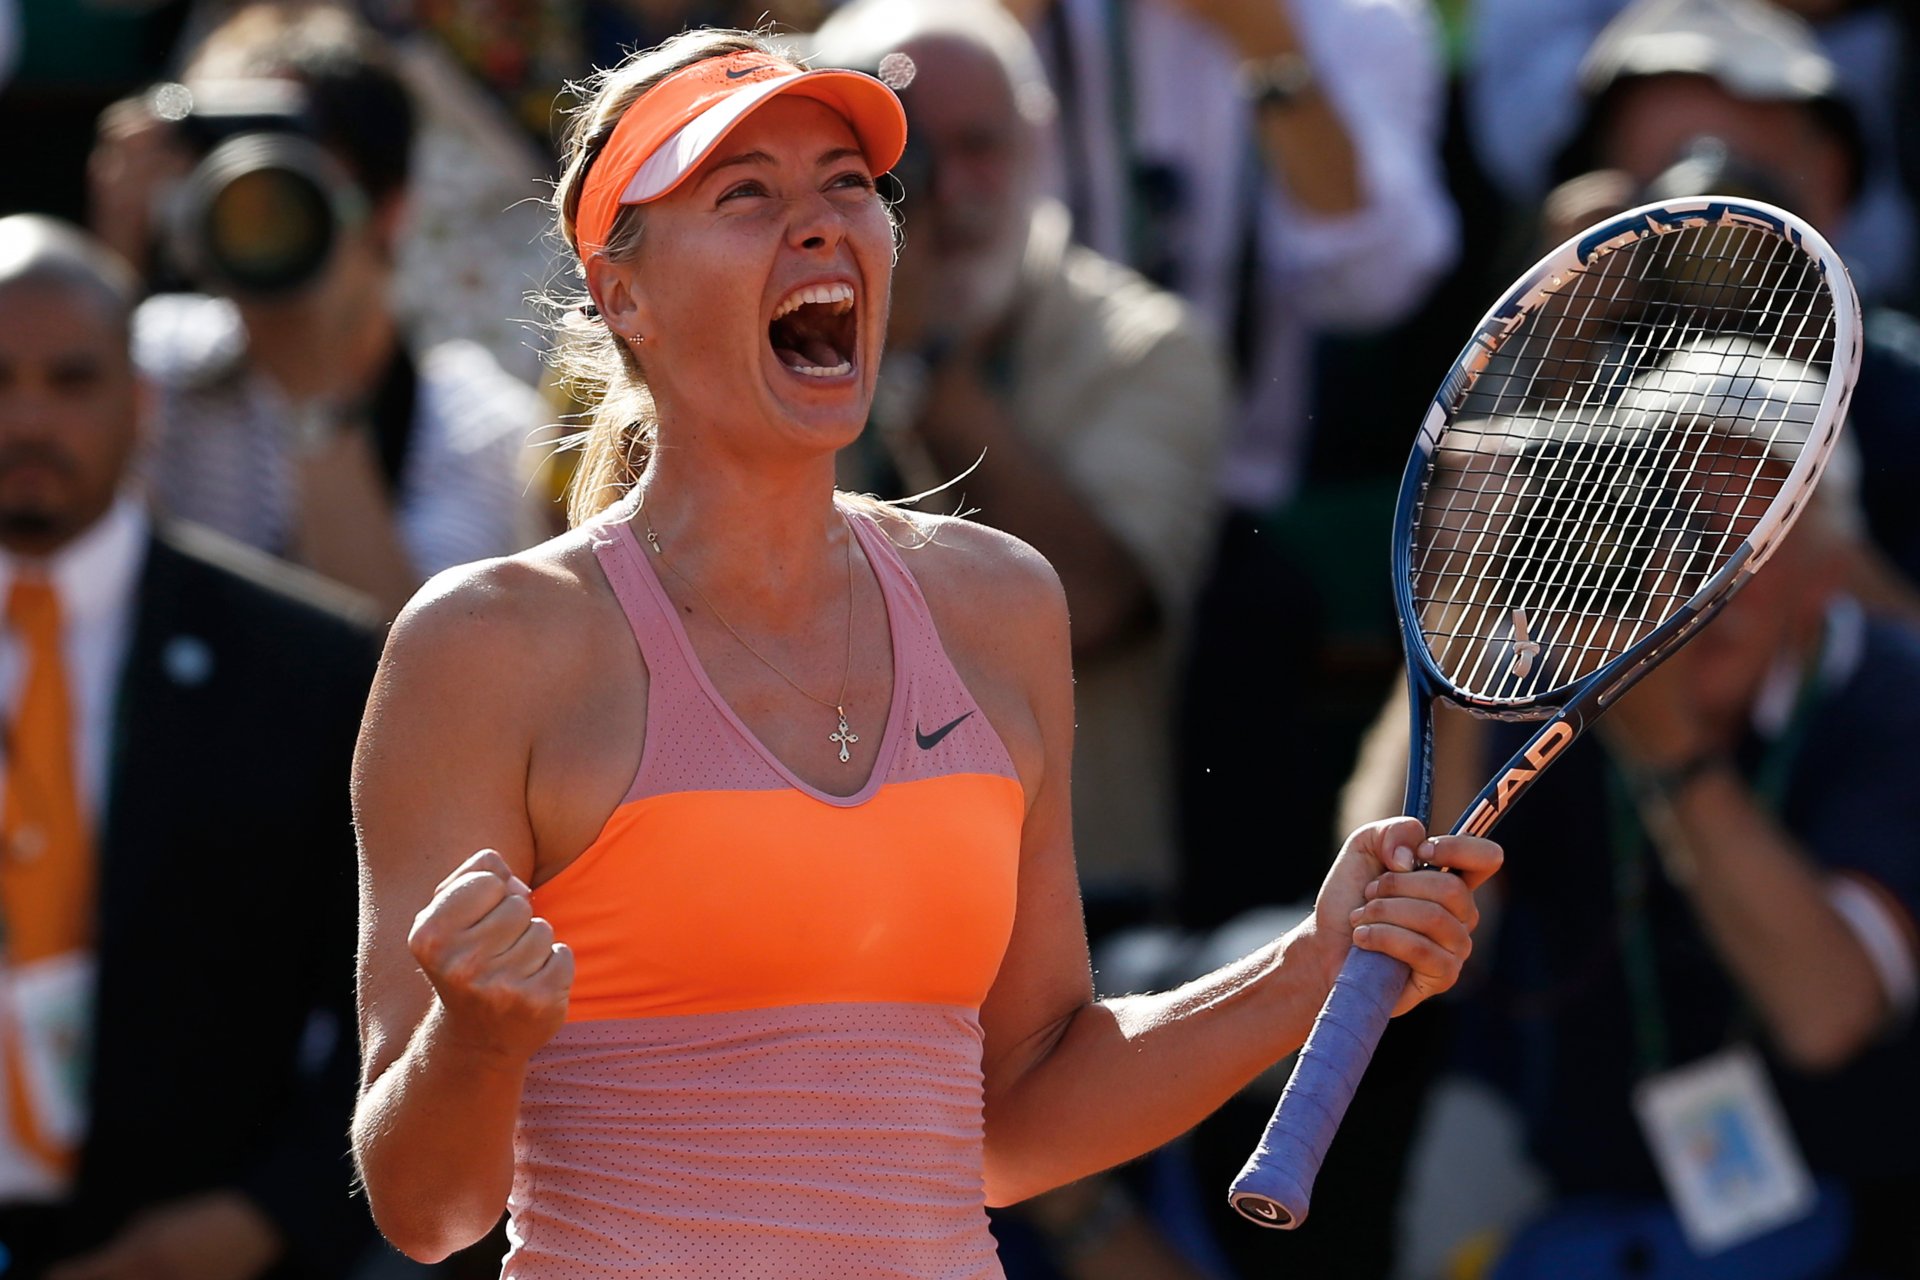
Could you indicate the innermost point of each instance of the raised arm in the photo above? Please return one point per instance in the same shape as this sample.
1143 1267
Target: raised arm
459 984
1772 904
1074 1085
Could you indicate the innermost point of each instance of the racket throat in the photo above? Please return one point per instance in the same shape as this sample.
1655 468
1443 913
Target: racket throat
1521 772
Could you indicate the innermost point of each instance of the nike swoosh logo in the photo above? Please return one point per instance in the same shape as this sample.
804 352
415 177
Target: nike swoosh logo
928 741
742 75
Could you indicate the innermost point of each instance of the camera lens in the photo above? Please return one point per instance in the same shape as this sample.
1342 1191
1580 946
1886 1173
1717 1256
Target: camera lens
261 213
268 230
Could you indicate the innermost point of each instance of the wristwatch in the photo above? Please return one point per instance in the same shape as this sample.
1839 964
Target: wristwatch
1279 81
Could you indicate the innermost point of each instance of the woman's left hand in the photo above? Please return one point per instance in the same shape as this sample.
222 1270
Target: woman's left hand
1395 890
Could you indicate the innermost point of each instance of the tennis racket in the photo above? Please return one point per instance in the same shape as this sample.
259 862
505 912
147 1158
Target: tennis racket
1623 443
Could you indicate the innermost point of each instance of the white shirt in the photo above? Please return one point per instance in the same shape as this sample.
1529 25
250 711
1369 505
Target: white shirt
224 454
1378 63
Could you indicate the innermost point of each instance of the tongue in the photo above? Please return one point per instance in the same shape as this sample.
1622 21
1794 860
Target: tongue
817 352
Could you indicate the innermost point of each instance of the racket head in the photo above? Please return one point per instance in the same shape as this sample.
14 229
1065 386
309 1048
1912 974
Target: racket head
1625 439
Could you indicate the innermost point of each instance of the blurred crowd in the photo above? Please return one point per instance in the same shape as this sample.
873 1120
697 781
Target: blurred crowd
1177 279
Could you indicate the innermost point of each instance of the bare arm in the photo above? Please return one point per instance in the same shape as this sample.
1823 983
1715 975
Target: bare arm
1305 142
135 158
1072 1085
459 983
1763 902
1761 899
1761 896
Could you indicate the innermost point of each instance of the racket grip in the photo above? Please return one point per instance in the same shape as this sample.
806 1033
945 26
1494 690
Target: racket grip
1274 1187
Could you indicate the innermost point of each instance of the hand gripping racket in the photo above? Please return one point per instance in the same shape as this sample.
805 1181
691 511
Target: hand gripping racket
1624 442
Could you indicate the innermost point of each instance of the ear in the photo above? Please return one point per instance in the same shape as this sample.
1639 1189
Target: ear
621 296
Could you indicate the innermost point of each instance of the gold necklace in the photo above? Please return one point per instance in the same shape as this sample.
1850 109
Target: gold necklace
843 735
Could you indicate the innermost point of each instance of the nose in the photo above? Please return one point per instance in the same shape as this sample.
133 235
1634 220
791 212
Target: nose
816 225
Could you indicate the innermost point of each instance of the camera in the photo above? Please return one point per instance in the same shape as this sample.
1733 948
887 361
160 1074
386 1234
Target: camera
261 211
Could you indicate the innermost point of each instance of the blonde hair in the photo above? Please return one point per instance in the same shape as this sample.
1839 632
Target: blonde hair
595 365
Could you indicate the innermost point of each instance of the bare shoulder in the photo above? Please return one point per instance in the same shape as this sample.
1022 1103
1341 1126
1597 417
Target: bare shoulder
507 608
501 632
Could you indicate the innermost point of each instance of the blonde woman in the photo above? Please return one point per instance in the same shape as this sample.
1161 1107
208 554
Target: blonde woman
719 911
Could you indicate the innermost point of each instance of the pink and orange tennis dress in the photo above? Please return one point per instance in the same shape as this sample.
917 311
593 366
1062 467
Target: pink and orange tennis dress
771 1062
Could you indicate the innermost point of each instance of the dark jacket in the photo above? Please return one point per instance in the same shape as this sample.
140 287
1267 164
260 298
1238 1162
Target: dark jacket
224 1051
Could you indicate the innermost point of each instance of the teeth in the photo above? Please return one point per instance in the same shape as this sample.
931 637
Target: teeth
815 371
839 293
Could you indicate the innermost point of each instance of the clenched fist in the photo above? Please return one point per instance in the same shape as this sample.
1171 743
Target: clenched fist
501 978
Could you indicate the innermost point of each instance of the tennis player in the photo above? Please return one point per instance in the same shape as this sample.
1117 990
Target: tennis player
719 910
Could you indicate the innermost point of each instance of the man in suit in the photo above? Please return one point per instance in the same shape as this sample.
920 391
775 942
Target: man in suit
176 859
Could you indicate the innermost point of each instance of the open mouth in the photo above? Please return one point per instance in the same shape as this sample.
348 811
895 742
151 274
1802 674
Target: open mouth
814 330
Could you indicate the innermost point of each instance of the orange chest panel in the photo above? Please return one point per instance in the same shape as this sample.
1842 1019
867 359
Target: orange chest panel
708 901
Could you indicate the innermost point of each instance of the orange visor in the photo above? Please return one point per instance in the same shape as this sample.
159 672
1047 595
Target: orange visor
675 125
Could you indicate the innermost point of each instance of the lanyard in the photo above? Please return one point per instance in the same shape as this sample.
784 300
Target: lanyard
1633 874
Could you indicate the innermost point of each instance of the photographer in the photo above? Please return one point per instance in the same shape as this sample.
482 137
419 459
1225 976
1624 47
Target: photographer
292 413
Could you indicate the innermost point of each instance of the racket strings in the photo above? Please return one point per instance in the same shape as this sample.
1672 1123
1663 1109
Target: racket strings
1620 540
1701 555
1570 520
1622 441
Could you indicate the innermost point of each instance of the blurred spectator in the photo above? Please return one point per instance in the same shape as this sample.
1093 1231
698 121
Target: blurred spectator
525 51
295 414
1091 403
1753 118
474 244
1730 863
176 885
1540 66
1276 163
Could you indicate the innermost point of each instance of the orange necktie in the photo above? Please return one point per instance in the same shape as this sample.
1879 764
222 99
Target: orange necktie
46 867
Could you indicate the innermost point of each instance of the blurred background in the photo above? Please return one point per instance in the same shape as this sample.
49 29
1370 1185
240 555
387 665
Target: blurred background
1184 274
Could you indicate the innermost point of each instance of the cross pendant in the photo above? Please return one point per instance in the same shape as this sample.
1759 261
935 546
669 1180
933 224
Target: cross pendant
844 736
